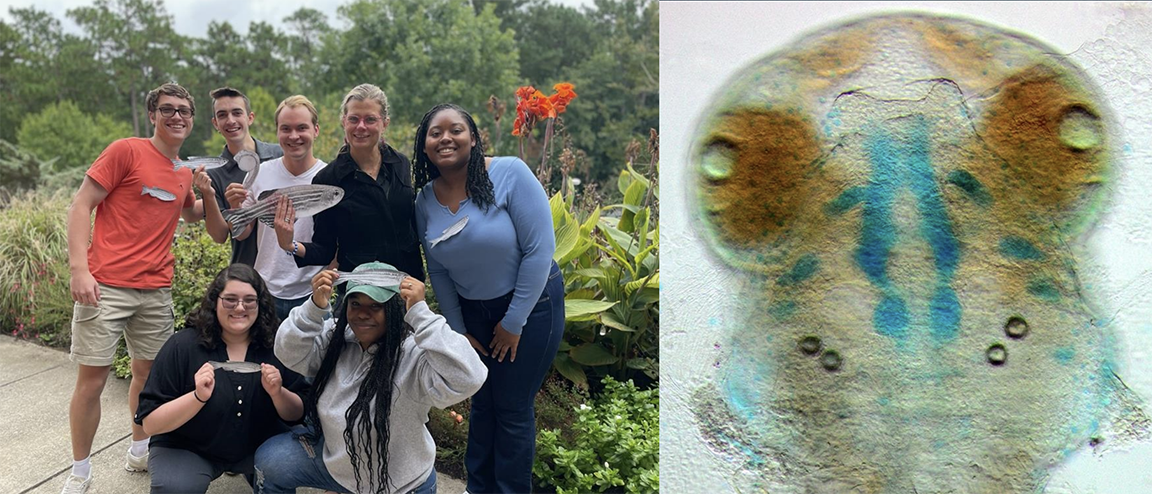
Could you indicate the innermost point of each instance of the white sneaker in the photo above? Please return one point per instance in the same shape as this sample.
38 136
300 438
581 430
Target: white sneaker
76 485
136 463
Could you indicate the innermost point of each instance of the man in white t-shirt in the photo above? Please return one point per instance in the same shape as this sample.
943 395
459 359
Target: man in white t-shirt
297 126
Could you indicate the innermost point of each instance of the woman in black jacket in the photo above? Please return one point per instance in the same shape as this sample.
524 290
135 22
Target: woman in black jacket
376 219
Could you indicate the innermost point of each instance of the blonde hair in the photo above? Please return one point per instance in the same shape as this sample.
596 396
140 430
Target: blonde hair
296 101
366 92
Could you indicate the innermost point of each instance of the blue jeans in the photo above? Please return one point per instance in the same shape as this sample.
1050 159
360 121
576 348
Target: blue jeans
284 463
502 427
285 305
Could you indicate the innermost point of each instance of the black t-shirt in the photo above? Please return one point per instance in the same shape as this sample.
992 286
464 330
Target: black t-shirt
243 251
239 415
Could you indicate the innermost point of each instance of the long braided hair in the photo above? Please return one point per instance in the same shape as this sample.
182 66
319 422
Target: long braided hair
375 391
478 185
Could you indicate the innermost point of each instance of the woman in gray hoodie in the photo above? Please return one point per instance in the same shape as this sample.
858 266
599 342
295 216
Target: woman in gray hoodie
376 372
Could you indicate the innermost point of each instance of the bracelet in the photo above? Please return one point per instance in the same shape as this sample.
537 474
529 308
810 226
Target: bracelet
197 397
295 247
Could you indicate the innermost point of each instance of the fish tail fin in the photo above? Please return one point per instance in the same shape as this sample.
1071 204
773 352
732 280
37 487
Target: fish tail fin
236 221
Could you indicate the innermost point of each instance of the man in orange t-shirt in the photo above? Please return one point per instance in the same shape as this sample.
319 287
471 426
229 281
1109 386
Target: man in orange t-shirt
122 282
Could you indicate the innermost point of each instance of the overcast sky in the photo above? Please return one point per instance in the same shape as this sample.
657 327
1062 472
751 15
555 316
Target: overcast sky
192 18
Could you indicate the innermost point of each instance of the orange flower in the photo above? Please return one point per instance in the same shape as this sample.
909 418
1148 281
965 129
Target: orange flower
564 95
540 106
525 92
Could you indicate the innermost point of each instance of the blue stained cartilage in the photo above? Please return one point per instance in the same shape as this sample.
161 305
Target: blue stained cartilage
1019 248
896 163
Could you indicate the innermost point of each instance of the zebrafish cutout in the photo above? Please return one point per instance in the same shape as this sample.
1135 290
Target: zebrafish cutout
916 319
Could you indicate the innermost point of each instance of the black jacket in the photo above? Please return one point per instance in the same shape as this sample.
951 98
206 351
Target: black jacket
375 221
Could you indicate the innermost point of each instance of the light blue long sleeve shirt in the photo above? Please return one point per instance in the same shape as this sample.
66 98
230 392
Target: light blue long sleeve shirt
509 248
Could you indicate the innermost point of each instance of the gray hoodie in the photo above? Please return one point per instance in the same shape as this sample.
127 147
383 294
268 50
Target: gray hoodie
438 368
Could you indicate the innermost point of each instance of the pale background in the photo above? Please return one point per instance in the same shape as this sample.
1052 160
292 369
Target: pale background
703 44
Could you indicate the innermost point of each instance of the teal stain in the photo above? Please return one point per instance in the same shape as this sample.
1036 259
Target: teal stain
782 310
897 161
1019 248
740 399
1044 289
971 187
846 201
712 321
1064 355
804 268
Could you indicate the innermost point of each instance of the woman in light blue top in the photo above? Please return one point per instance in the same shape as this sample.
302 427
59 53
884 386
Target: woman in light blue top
486 228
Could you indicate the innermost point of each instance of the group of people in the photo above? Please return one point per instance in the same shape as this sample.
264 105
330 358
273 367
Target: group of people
271 378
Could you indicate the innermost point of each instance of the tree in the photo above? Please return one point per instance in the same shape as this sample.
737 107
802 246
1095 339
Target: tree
308 30
63 132
136 44
422 54
552 39
619 85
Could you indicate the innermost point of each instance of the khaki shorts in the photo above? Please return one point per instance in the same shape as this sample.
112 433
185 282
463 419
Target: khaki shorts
144 317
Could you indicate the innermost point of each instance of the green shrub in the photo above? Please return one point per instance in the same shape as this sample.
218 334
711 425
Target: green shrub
613 445
612 277
198 260
554 406
34 276
63 132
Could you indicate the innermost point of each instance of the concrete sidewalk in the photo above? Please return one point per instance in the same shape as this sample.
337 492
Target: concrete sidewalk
35 450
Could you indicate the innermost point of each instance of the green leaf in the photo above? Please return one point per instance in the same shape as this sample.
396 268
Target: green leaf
649 296
567 236
590 223
641 222
632 197
583 243
576 308
592 354
637 363
646 282
570 370
610 320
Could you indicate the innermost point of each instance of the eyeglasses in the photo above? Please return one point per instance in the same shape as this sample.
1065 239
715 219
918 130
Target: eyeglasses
168 111
231 303
353 120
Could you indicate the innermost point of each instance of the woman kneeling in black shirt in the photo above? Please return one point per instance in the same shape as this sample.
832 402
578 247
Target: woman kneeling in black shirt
216 390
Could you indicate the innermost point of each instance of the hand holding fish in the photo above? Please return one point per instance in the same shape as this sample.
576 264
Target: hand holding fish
204 184
205 379
235 194
270 378
84 288
503 342
285 223
412 291
322 287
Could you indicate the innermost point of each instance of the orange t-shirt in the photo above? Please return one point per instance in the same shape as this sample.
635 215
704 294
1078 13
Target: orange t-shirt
132 238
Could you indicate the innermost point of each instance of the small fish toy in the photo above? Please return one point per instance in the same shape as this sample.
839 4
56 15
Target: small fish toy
307 200
195 162
450 231
236 366
374 277
158 193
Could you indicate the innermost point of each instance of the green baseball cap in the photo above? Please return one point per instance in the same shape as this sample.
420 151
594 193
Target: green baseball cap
380 294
